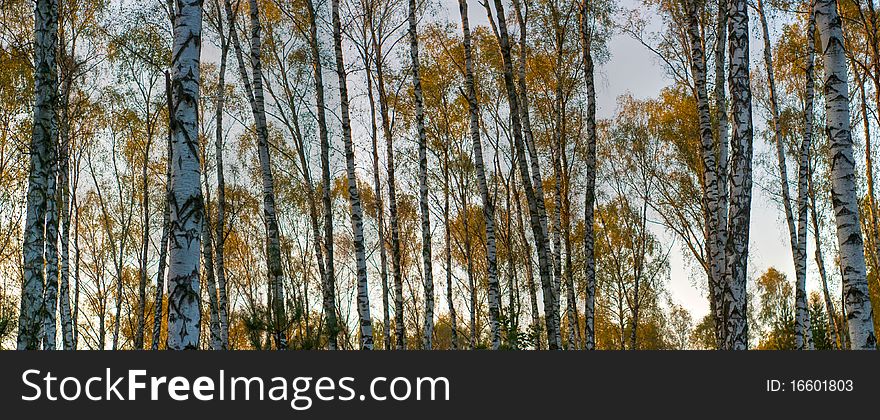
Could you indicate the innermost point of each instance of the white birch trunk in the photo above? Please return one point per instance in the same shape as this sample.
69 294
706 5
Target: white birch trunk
64 185
803 334
397 276
329 283
184 317
843 179
253 84
538 223
718 238
543 244
380 209
220 230
494 293
50 294
820 263
158 299
711 177
423 185
590 174
740 178
450 300
354 198
41 152
216 342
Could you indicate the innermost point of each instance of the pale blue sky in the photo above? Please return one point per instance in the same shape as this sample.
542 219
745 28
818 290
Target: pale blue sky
633 69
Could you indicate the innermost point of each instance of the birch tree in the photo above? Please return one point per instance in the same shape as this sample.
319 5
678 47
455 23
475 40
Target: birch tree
538 222
377 183
488 204
423 179
41 155
586 32
796 224
220 229
740 180
843 178
329 286
363 298
378 33
164 239
184 317
253 84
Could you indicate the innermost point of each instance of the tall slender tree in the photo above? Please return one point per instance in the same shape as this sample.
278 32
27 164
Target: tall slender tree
184 316
425 213
796 224
740 179
253 84
586 32
41 155
488 204
329 283
354 198
843 178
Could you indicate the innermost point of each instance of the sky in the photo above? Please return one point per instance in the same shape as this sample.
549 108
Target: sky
633 69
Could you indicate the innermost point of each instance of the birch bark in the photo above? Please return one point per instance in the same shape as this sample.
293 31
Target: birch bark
537 181
363 299
380 207
803 334
397 276
253 84
184 317
329 286
535 205
590 174
488 206
220 232
166 223
711 193
41 150
740 180
423 184
843 182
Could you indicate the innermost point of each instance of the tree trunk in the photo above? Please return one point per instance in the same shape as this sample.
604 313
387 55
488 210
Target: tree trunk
843 180
530 275
380 208
537 181
273 235
803 182
397 277
41 155
184 317
220 229
354 198
210 284
329 285
711 177
64 185
450 301
820 263
423 183
736 249
166 223
719 236
537 216
590 174
145 245
50 296
488 204
803 333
